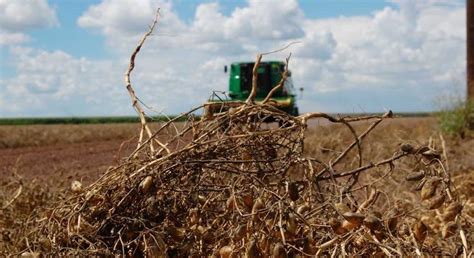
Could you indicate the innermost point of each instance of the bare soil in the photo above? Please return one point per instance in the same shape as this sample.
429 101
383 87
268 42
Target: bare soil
84 152
81 161
55 153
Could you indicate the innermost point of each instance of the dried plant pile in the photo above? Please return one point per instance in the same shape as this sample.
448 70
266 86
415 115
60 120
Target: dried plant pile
231 185
240 186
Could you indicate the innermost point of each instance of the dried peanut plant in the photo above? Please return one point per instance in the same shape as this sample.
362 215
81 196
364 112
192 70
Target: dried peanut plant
230 184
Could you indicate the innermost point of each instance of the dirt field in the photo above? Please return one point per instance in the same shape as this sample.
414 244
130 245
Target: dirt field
83 152
51 153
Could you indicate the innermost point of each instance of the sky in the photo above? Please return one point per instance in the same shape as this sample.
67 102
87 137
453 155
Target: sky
68 58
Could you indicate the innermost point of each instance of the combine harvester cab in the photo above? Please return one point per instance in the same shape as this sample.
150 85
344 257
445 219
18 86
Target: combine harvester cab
240 85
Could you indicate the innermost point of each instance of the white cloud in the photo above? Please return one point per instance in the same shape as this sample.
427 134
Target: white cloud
56 83
124 21
317 45
22 15
46 79
19 16
390 55
263 19
11 38
209 21
112 17
398 58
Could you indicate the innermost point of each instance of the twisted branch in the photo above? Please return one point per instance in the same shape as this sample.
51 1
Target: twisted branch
135 101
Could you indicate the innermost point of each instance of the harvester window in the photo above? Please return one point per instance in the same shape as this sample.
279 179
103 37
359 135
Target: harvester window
263 80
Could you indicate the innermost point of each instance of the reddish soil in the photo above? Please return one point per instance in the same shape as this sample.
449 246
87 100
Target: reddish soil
81 161
57 159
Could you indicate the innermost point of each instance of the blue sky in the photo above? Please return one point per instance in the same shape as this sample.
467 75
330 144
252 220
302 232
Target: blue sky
67 36
67 58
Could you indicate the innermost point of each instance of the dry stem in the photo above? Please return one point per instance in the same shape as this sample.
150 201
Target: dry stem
135 100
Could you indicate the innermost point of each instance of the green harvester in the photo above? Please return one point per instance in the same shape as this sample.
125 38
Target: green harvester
269 75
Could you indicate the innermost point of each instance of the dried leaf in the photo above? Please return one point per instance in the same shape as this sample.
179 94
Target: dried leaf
420 230
373 223
452 211
436 202
449 229
354 218
336 226
429 188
